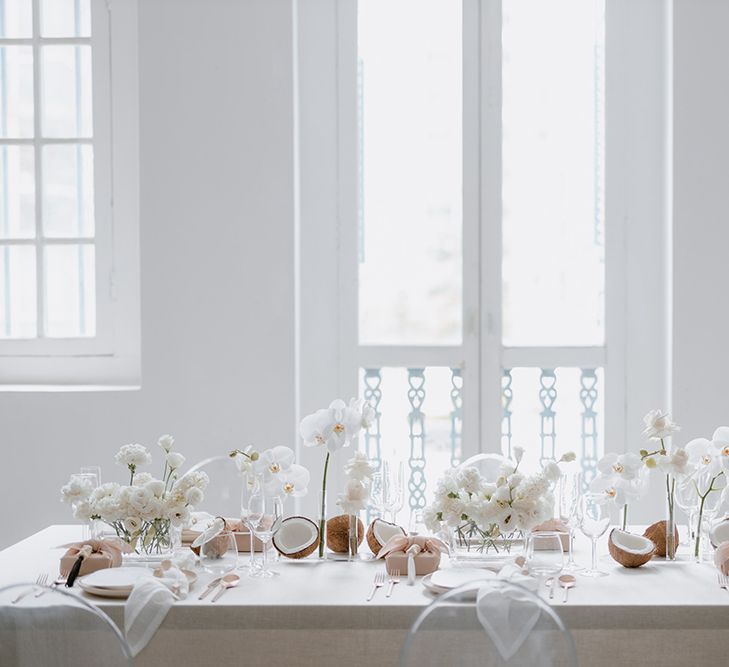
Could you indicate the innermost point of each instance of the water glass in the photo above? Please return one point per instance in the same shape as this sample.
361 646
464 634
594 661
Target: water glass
569 494
219 555
595 521
265 513
545 558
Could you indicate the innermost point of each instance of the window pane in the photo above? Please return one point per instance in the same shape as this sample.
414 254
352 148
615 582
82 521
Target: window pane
70 291
67 91
410 273
16 18
16 91
17 292
65 18
17 192
68 191
553 165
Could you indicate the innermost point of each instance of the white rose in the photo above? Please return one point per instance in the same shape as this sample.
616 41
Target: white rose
194 496
166 442
359 467
175 460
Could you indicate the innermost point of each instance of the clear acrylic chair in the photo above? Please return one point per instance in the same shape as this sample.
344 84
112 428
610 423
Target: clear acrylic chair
57 628
450 631
223 496
489 465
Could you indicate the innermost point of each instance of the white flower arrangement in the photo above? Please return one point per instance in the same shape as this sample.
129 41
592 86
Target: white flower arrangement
621 479
479 511
142 512
276 468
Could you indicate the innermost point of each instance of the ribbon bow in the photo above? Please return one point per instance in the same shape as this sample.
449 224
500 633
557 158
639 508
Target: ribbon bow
412 544
112 548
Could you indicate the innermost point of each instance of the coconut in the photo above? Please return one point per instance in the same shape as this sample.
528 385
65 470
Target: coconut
296 538
338 533
656 533
221 542
380 532
628 549
719 533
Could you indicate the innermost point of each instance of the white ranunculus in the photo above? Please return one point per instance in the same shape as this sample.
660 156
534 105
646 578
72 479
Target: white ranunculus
174 460
431 519
552 471
83 511
359 467
469 479
658 425
194 496
132 524
196 479
142 479
76 490
678 463
354 497
179 516
156 487
166 442
132 456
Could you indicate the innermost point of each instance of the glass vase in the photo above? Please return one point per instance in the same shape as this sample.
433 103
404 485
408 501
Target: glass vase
470 546
353 537
156 541
671 542
322 506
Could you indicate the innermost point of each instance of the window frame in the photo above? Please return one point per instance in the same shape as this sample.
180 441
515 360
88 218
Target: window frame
111 357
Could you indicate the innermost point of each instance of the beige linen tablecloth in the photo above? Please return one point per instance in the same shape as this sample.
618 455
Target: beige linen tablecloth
314 613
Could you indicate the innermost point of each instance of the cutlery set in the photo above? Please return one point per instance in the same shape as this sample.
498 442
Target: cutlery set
43 585
222 583
381 579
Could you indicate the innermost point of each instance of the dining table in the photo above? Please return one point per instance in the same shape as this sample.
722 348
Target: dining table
315 612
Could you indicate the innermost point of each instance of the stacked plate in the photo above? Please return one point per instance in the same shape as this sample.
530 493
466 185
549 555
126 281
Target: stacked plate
445 580
115 582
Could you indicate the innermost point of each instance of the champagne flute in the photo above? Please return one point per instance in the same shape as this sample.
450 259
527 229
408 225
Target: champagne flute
569 492
250 484
595 521
265 513
393 491
544 555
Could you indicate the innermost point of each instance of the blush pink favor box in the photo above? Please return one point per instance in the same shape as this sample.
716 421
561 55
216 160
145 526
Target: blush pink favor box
425 563
90 564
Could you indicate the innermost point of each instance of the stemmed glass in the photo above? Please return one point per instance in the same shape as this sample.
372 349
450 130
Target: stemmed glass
544 555
250 484
569 493
265 513
595 521
391 491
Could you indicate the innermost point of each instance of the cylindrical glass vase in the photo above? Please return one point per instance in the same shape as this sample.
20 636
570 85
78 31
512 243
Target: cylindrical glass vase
322 506
671 541
353 537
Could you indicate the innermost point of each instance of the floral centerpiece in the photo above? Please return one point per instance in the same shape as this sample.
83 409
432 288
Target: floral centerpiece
485 516
275 469
144 513
334 427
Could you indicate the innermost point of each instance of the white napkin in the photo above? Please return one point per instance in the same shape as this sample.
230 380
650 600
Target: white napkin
506 616
149 602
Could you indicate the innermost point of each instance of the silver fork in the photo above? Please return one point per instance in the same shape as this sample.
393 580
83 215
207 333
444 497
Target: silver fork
723 581
28 591
379 582
42 581
394 579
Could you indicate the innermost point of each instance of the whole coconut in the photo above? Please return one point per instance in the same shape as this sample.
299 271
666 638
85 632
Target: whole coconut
338 533
656 533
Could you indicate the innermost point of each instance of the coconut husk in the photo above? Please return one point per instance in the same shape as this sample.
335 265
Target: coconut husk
627 558
656 533
338 533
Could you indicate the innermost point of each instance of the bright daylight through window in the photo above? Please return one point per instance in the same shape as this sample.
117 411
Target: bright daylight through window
419 277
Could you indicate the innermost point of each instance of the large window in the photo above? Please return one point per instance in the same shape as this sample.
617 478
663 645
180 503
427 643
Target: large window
56 163
481 278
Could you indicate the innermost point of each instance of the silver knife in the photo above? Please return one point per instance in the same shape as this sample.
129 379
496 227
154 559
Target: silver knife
210 588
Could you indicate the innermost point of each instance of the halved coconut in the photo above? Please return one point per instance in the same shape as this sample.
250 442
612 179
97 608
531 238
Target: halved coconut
297 537
628 549
338 533
379 532
719 533
656 532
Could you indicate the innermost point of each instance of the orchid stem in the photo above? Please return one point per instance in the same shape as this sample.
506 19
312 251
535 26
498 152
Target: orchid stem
322 517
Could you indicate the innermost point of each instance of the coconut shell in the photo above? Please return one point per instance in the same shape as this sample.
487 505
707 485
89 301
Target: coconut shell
304 552
338 533
625 558
227 529
656 533
372 542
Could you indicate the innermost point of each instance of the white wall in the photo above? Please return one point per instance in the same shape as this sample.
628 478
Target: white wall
700 221
217 262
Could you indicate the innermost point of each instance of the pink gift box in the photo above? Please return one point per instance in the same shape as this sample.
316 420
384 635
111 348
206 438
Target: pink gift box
425 562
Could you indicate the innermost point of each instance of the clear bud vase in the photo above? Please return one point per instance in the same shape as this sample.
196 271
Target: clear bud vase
353 537
322 552
671 541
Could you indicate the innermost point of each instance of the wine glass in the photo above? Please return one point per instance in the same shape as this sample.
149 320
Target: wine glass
265 513
569 492
595 521
219 555
393 491
544 555
250 484
92 470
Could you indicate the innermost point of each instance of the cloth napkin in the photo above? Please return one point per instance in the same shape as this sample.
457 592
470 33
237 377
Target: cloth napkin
508 616
151 599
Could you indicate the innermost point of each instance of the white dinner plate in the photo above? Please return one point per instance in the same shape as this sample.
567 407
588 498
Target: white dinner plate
119 593
449 578
427 582
115 577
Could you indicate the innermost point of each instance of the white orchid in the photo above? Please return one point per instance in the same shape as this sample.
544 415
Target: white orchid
245 459
616 489
677 462
658 425
273 461
294 481
334 427
704 456
625 466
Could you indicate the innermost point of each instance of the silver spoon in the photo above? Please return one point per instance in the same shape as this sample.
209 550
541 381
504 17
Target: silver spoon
228 581
567 581
550 585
